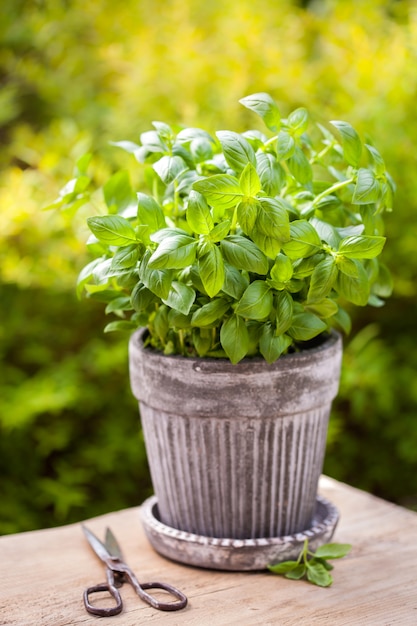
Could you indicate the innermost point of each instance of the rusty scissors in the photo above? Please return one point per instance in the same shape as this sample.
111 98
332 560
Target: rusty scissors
117 573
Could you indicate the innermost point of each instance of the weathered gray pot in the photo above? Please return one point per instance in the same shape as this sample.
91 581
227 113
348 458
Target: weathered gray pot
235 450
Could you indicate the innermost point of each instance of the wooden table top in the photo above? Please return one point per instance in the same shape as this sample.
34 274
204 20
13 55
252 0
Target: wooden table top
44 573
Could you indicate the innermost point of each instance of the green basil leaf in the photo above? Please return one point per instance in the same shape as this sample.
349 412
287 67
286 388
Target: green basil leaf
327 232
298 121
378 161
299 166
164 233
125 257
355 290
256 301
351 143
268 244
324 309
271 346
350 231
347 266
306 326
141 154
237 150
256 138
234 338
128 146
169 168
342 321
153 141
120 325
210 312
201 149
297 573
180 151
318 574
322 280
373 300
113 230
174 252
220 231
305 267
282 270
199 217
235 282
285 145
73 187
102 271
304 242
220 190
244 254
284 567
249 181
361 247
247 212
186 135
211 269
144 234
284 306
387 196
141 297
191 276
165 132
160 323
150 213
325 563
180 297
86 274
370 220
118 305
157 281
179 320
265 107
100 294
254 330
271 173
273 219
118 193
202 340
333 550
367 189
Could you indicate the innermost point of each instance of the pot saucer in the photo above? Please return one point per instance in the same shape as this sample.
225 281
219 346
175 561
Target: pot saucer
235 554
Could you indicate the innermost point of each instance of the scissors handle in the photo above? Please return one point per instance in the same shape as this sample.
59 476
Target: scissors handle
105 612
181 599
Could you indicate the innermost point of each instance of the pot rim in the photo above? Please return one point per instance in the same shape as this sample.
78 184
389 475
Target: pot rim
331 340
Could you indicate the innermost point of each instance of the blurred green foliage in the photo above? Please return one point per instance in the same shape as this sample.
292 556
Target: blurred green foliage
75 75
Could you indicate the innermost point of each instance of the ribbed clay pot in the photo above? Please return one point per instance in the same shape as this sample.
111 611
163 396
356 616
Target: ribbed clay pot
235 451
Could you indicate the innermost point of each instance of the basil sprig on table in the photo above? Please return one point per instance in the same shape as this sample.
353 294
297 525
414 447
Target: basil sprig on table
246 243
313 566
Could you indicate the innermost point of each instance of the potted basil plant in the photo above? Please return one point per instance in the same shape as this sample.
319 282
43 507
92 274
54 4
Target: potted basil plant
234 268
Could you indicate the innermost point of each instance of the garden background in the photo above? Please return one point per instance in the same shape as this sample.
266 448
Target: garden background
76 74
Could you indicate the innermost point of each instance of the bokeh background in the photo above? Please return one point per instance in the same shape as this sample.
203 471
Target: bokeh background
76 74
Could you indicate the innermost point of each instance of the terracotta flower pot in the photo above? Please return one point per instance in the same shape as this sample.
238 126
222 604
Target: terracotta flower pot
236 450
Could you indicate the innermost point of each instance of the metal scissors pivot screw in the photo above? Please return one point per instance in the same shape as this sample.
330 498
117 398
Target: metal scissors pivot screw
117 573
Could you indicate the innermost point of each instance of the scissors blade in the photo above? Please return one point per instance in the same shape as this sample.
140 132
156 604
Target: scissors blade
112 545
98 546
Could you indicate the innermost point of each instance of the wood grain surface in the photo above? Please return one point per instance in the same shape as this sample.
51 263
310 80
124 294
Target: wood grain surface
43 575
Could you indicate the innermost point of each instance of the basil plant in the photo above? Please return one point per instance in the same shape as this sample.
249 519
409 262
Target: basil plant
248 244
